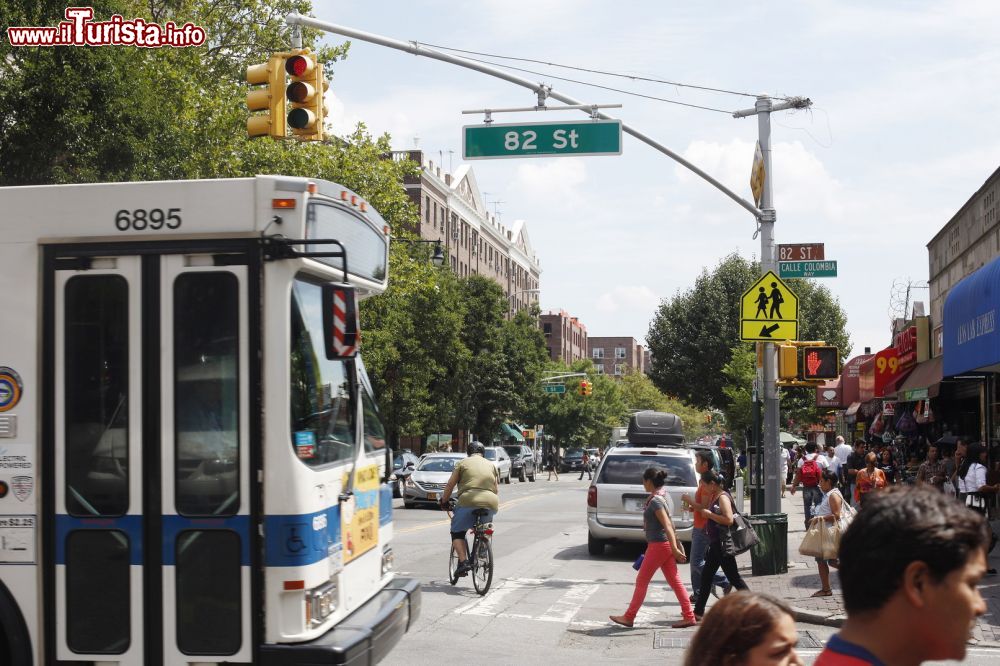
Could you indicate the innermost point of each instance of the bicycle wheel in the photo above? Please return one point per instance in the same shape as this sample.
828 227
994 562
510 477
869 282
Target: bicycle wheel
452 566
482 565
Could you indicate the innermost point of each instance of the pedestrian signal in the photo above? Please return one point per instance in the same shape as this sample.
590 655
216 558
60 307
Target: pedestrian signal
820 363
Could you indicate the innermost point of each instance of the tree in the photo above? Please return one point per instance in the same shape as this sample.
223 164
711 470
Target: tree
691 334
740 372
574 420
640 393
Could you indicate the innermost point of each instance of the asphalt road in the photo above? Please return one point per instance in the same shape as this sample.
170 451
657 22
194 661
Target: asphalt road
550 599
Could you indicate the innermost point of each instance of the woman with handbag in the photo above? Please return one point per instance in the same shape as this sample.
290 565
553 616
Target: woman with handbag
830 510
718 509
972 485
663 552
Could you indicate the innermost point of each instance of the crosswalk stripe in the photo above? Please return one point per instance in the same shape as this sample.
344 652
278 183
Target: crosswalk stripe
569 603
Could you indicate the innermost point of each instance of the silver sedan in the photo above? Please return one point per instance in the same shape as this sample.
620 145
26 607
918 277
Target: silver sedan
428 480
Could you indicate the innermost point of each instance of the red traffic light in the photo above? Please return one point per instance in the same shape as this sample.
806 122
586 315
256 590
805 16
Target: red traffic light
298 65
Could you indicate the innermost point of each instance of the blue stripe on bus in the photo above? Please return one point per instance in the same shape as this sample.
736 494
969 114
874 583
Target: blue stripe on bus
173 526
385 505
131 527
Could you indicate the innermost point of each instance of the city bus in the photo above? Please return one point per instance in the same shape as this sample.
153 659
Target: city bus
192 465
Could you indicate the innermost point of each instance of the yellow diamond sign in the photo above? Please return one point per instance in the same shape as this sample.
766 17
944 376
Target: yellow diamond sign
769 311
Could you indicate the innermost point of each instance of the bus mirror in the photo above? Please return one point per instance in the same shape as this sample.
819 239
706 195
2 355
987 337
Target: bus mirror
341 326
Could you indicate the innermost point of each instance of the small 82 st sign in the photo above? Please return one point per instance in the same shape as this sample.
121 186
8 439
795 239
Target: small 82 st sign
586 137
801 252
554 388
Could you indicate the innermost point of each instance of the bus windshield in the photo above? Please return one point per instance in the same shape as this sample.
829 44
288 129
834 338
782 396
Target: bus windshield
322 402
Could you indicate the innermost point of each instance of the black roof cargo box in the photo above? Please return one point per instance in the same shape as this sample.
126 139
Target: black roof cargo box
651 428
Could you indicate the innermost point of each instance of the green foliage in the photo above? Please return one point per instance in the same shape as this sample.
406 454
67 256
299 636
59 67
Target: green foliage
739 373
641 393
691 334
574 420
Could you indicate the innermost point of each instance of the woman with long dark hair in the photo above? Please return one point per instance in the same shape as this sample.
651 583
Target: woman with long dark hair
663 551
717 507
745 629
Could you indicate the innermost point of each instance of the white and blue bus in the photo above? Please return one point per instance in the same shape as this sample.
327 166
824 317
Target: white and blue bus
192 466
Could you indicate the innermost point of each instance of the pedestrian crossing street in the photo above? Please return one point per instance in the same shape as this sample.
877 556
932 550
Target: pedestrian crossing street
565 601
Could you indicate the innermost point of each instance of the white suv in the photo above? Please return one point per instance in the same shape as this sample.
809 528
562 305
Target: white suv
616 498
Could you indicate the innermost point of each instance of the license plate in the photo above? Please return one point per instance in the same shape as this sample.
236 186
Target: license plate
432 496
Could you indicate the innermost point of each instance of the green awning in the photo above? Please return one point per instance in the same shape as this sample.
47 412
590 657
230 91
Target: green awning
507 431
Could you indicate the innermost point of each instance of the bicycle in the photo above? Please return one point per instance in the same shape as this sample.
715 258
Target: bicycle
481 554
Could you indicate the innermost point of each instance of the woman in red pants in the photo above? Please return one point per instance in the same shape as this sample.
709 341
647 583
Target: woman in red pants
663 552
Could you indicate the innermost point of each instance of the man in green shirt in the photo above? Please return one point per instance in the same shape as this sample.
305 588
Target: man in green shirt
478 483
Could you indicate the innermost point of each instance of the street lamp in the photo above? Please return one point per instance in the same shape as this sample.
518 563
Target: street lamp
510 297
437 258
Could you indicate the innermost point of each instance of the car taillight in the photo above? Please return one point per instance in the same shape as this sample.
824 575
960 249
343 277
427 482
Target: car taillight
592 496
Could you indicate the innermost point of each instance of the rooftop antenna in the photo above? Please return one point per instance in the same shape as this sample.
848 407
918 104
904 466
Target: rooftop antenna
451 154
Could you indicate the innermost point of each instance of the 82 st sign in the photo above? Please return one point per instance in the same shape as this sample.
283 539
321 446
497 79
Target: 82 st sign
586 137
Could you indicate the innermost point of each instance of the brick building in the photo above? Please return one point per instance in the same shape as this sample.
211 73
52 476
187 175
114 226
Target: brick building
475 242
616 355
565 336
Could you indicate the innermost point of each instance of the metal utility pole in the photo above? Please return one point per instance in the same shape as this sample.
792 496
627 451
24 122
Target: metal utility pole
770 443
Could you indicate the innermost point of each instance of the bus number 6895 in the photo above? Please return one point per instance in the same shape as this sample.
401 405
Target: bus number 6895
141 219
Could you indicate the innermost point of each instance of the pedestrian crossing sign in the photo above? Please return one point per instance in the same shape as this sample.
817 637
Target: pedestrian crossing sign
769 311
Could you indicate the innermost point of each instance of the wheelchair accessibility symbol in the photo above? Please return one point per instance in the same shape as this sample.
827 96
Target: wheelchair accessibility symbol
294 543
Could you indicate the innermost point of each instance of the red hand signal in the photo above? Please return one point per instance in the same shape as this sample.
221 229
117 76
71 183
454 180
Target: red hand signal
813 362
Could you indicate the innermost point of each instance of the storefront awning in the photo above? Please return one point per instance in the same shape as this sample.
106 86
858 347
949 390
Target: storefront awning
971 335
507 431
853 409
924 382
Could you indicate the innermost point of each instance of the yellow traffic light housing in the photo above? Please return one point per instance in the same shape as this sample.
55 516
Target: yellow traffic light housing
270 98
304 95
788 362
583 388
590 387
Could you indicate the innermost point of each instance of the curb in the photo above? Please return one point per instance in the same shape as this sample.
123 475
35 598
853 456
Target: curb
815 617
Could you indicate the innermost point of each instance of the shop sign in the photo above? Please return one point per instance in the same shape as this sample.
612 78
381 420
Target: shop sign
889 409
828 395
886 370
937 341
912 395
905 344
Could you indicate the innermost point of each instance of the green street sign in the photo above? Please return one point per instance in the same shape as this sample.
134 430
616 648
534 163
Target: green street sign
584 137
807 269
554 388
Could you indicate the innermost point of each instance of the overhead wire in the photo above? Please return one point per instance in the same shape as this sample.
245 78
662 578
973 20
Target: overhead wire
633 77
597 85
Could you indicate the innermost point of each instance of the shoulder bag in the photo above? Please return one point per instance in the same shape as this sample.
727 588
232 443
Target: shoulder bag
738 537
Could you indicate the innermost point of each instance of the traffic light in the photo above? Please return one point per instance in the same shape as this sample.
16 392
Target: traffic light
788 362
305 96
269 97
820 363
586 388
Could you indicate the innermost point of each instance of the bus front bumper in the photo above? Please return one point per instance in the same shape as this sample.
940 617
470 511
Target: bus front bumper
364 637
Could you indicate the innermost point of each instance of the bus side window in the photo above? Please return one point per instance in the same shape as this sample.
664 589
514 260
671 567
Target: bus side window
374 430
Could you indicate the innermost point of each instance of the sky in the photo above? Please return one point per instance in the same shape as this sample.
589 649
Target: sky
904 128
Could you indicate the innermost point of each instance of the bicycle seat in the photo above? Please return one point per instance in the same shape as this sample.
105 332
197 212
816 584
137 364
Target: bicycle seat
479 513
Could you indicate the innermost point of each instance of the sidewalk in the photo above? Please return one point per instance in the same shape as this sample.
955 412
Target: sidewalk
802 579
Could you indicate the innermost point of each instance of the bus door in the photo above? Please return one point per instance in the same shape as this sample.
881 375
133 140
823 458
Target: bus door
148 561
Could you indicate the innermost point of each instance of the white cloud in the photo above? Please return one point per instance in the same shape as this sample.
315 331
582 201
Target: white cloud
557 179
634 298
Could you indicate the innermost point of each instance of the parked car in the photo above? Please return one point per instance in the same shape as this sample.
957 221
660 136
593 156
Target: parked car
500 459
572 461
427 482
522 462
403 465
616 498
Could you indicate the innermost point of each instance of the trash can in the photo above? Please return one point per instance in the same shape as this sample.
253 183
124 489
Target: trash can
770 555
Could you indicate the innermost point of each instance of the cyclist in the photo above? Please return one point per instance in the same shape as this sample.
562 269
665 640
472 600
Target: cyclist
478 483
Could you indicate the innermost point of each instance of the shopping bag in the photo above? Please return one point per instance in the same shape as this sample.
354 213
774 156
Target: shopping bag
831 540
812 542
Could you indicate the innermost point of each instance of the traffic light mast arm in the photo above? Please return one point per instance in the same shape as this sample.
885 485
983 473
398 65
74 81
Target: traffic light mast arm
554 378
540 89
